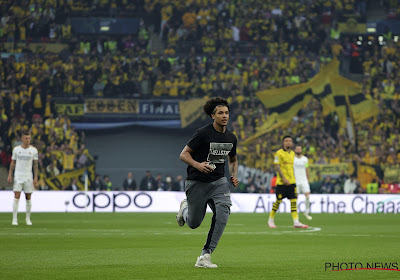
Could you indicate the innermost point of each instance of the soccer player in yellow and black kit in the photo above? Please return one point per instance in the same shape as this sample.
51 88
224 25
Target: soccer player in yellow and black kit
286 182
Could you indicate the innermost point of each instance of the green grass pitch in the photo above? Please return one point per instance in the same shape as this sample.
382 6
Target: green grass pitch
153 246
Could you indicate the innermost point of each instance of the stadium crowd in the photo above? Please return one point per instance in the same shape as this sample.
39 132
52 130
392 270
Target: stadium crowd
225 48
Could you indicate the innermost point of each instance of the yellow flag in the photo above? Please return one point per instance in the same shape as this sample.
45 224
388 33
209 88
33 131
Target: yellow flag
191 110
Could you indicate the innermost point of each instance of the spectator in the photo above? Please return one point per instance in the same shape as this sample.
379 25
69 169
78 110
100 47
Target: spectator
339 188
129 183
327 185
148 183
179 184
350 185
107 183
160 184
52 170
98 87
169 183
81 158
98 184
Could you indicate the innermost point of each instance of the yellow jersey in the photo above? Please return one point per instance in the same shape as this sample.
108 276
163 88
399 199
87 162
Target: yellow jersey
285 159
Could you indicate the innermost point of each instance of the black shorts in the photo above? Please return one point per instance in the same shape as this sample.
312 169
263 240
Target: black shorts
283 191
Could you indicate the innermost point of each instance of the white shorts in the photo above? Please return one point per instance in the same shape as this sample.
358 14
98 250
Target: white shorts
303 187
23 184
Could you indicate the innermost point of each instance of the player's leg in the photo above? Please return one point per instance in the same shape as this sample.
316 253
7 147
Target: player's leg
307 212
307 194
220 203
17 195
28 197
28 190
193 208
275 206
304 188
292 195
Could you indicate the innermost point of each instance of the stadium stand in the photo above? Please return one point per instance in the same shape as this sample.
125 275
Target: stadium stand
231 49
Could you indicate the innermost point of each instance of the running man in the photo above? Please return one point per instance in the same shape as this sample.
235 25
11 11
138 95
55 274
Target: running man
23 157
205 155
286 183
302 177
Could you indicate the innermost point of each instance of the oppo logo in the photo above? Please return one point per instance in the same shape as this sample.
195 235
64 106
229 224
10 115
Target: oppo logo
103 200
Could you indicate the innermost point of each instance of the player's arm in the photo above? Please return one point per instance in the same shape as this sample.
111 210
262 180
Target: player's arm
10 173
35 172
307 173
186 157
233 170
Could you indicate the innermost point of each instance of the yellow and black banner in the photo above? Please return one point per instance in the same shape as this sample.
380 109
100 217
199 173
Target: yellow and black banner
328 87
392 174
329 170
64 179
272 122
111 106
361 107
191 110
285 103
35 47
353 26
288 101
70 109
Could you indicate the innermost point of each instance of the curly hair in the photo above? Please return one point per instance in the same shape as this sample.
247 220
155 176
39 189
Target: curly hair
211 104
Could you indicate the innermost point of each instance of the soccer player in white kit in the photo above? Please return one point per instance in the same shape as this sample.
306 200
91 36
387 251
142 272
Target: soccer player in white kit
301 174
23 158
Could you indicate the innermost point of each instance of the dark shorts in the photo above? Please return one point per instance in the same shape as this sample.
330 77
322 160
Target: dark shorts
283 191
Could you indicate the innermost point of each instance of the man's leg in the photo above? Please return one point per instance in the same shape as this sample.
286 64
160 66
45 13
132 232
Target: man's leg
275 206
305 188
196 195
293 210
292 195
307 202
17 195
220 206
220 203
28 197
307 212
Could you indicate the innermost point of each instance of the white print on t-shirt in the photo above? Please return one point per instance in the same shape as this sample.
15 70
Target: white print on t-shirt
23 161
218 152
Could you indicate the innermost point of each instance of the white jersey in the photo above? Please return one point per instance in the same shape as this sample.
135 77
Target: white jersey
23 161
299 166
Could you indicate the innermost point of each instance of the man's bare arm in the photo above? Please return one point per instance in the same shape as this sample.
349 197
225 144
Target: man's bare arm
233 170
11 171
233 166
186 157
35 169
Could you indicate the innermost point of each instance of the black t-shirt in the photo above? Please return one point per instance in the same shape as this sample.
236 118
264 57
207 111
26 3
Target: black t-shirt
213 146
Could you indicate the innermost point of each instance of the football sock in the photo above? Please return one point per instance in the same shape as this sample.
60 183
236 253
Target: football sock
275 208
293 209
28 209
15 208
307 204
